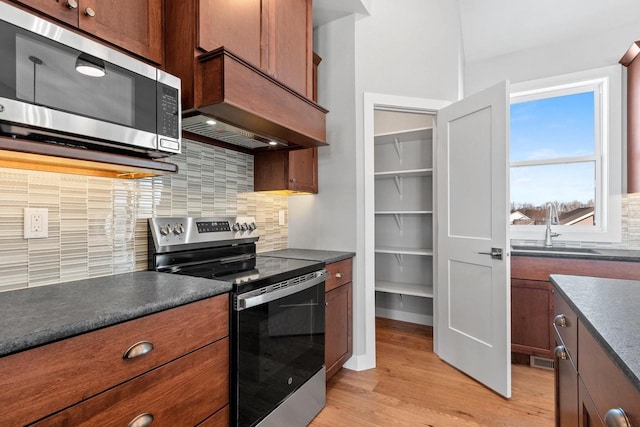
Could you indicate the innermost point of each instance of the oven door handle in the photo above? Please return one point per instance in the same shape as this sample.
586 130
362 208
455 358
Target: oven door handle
252 301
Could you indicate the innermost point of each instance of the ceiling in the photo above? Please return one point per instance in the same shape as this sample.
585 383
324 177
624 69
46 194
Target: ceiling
325 11
493 28
498 27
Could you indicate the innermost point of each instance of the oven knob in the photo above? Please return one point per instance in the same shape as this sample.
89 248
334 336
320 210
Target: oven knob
252 226
165 230
244 226
178 229
236 227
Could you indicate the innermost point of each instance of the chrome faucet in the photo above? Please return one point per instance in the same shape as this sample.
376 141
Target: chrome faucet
552 219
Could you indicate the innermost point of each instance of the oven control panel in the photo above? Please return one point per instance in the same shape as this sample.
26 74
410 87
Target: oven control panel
213 226
175 232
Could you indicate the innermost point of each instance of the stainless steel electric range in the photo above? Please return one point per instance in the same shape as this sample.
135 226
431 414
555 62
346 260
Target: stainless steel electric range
277 321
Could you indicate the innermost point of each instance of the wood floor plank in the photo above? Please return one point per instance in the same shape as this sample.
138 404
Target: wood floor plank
411 386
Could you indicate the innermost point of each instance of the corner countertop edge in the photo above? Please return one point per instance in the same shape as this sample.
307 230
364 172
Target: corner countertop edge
587 296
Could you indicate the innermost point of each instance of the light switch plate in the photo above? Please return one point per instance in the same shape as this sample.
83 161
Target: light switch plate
281 218
36 223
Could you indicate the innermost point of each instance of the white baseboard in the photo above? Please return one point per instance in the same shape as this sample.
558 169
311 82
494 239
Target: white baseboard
359 363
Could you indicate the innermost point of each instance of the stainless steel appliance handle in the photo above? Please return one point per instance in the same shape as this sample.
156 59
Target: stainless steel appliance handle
252 301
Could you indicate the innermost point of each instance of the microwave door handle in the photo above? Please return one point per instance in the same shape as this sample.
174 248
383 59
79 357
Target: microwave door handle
251 301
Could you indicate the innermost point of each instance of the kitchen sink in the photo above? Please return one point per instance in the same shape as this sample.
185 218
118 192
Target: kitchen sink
552 249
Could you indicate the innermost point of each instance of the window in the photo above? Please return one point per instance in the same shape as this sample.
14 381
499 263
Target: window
565 150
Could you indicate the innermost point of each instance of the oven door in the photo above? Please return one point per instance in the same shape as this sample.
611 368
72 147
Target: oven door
278 345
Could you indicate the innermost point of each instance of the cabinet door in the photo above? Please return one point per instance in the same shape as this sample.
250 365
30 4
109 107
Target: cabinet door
289 32
338 333
532 317
566 393
587 412
63 10
133 25
303 170
236 25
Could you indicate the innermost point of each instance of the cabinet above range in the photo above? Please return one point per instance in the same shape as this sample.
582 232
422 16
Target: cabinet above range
246 64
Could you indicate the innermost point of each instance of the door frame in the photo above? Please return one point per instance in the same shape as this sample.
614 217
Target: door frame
374 101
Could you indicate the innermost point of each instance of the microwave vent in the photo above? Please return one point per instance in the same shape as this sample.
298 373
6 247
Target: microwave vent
224 132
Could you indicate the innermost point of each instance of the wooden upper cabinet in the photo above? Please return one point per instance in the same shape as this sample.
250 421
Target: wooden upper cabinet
275 36
234 24
135 26
63 10
630 61
288 171
303 170
290 36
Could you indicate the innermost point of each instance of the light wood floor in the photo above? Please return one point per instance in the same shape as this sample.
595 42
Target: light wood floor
411 386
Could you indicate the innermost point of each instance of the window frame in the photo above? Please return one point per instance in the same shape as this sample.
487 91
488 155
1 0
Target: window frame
606 84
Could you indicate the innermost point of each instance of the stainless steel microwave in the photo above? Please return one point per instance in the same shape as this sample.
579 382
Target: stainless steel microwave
61 87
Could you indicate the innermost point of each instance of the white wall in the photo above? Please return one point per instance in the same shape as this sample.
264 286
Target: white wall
407 48
563 56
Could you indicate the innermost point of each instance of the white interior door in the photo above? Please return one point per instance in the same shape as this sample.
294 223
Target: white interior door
473 309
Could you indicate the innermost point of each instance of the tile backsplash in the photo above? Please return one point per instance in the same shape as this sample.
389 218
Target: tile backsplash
98 227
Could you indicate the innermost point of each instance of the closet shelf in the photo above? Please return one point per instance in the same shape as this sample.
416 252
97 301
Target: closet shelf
404 173
412 289
404 212
403 136
404 251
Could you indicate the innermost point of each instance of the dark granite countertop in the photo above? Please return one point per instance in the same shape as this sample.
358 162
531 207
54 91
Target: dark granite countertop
35 316
609 310
327 257
602 254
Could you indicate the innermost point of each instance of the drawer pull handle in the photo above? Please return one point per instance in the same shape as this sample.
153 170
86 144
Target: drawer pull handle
561 352
142 420
339 275
616 418
560 320
138 349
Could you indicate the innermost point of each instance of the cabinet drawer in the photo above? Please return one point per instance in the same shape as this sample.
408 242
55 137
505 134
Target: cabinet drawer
339 274
77 368
569 332
219 419
607 384
181 393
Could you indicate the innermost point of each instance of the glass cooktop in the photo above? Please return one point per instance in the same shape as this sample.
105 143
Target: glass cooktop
253 273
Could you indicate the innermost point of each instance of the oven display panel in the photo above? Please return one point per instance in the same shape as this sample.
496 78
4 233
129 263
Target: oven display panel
213 226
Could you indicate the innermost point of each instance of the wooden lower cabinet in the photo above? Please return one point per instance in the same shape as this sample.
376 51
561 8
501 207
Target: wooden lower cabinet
338 316
531 317
565 366
588 384
532 298
181 393
587 413
185 372
566 397
219 419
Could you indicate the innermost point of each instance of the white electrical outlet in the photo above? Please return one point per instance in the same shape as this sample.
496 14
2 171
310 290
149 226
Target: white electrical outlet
281 218
36 223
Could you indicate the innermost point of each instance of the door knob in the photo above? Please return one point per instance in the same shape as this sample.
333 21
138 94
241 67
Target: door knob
496 253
